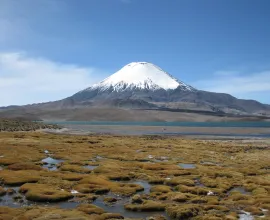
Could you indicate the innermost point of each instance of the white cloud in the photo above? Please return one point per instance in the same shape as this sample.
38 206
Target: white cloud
26 80
238 84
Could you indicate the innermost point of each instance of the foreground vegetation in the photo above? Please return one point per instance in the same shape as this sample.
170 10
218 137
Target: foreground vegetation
223 179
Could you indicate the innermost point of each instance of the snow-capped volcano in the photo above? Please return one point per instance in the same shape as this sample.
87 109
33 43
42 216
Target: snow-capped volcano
146 86
140 75
140 91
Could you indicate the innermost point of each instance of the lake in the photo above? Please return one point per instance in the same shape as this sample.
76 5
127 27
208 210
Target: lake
168 124
198 129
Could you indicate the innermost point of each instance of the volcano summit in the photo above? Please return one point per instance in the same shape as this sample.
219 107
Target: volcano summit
140 75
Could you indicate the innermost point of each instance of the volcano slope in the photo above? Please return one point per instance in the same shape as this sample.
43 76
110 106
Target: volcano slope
137 177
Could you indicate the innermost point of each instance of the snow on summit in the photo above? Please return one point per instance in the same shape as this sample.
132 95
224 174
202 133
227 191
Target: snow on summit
140 75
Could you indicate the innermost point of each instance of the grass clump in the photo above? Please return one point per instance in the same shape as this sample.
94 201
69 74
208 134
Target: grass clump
5 161
146 206
192 190
216 207
40 213
20 177
212 200
137 199
161 189
119 177
176 172
91 188
209 182
260 191
2 191
71 176
156 180
100 184
198 200
44 193
179 197
7 213
24 166
182 211
179 181
254 211
111 216
109 200
90 209
74 168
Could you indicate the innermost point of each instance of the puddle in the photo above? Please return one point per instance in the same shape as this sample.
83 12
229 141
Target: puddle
209 163
198 183
99 157
144 184
8 199
245 216
63 205
51 163
240 190
118 207
89 167
17 200
161 159
187 165
96 158
51 160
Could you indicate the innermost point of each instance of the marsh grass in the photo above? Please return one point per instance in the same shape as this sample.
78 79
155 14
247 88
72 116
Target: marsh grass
125 160
146 206
44 193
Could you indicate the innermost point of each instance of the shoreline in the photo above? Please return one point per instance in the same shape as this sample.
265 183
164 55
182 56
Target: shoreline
194 132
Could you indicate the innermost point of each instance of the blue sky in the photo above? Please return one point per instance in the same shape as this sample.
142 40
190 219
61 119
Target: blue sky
50 49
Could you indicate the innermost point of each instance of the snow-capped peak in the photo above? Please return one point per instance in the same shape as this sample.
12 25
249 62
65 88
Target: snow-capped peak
140 75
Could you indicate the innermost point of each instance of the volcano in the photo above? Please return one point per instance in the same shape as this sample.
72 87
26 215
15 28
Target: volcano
140 86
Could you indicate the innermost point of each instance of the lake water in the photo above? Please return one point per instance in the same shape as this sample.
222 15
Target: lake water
256 124
200 129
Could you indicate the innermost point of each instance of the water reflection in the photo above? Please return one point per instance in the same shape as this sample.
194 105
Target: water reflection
89 167
187 165
51 163
241 190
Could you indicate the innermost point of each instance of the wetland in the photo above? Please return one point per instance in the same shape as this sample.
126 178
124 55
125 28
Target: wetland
81 177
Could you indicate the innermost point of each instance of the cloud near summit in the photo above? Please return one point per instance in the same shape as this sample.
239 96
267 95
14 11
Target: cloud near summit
27 80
